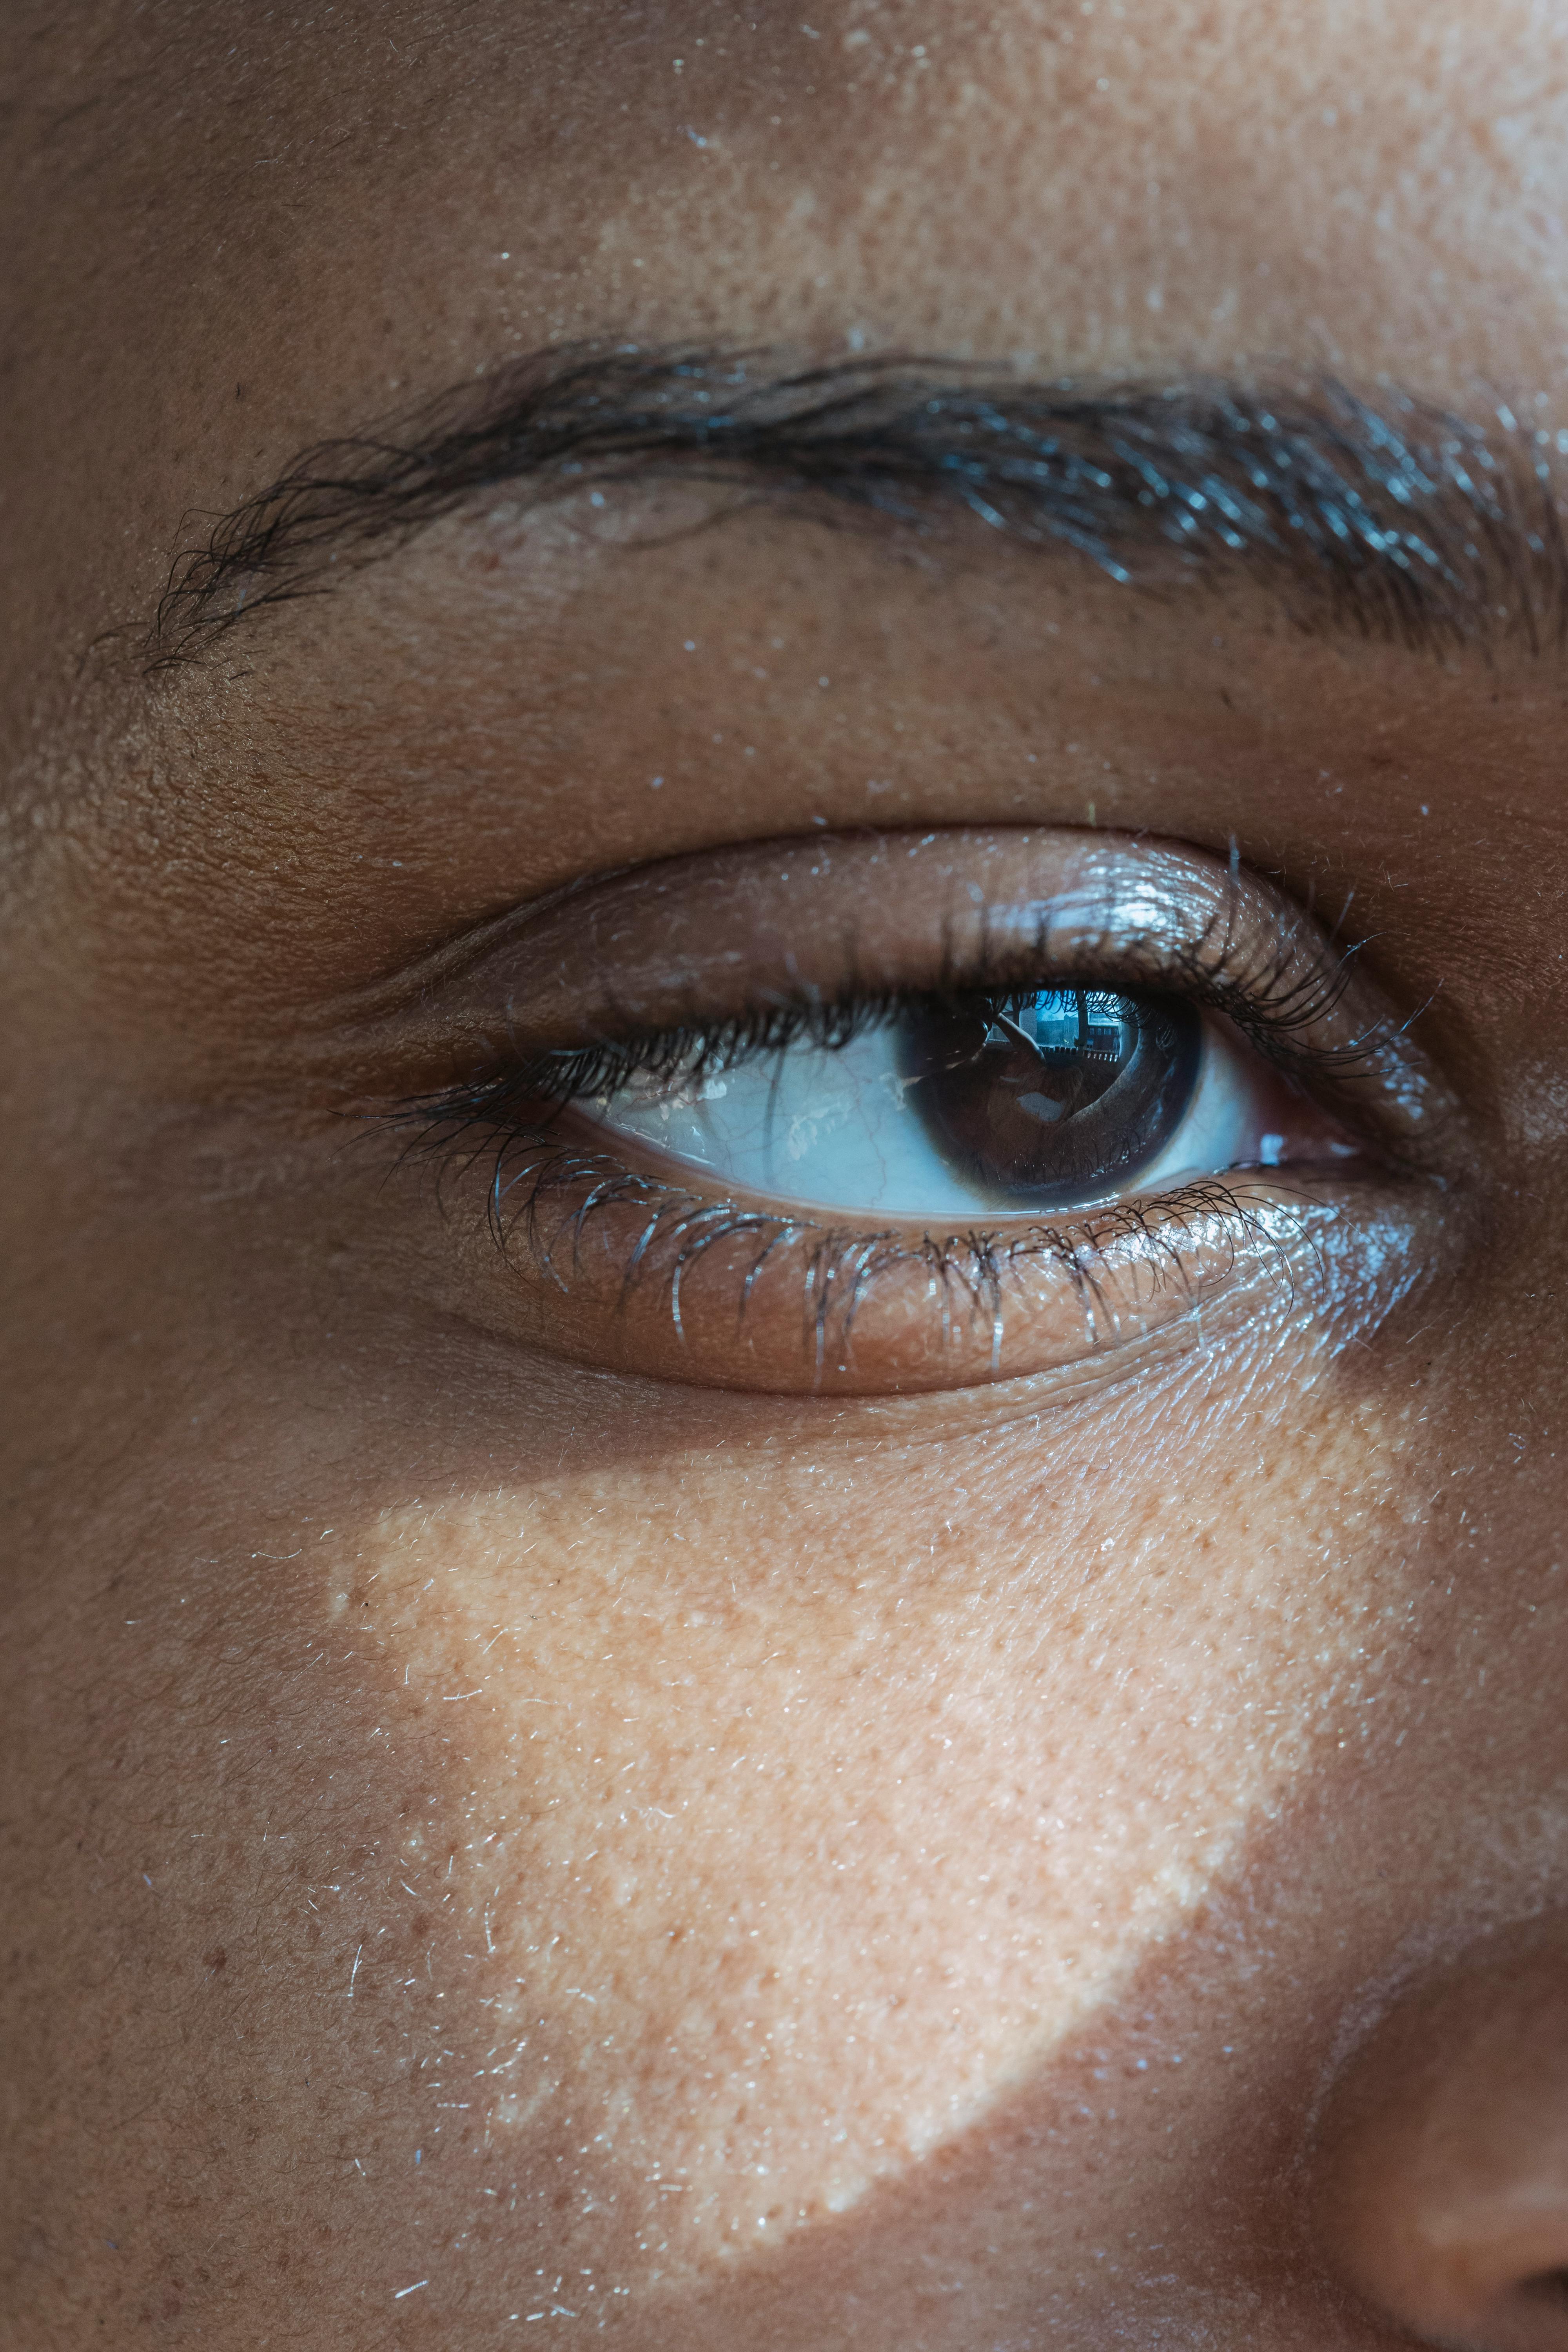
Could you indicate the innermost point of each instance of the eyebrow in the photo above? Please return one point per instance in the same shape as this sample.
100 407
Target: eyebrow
1385 516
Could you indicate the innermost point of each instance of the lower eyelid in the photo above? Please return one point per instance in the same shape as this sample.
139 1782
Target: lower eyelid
629 1273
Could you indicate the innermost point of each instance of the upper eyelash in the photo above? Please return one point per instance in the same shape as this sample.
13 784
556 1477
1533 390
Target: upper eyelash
1267 999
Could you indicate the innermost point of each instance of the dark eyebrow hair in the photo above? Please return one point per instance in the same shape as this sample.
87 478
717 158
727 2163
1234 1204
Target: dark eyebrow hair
1389 516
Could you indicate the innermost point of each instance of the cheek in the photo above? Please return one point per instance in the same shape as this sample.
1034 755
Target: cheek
802 1810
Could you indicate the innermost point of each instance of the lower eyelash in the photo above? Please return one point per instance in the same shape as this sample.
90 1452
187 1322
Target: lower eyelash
970 1271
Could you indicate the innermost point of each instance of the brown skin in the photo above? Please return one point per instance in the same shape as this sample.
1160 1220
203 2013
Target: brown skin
934 1852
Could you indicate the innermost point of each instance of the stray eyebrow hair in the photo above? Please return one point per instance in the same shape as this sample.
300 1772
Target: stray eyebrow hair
1390 517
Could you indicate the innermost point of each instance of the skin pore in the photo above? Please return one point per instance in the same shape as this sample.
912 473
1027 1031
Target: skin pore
516 1824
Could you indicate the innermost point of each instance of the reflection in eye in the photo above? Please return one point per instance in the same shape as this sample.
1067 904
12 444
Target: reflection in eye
1044 1100
1020 1102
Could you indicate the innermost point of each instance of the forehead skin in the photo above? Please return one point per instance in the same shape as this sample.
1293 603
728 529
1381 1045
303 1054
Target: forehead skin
234 232
314 210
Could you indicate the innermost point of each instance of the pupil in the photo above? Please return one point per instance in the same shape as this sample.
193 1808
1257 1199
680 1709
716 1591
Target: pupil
1052 1096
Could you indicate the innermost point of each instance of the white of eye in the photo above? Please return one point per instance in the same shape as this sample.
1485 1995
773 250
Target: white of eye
828 1129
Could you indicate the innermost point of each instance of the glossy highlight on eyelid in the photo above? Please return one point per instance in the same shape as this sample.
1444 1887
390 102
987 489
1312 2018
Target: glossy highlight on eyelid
627 1258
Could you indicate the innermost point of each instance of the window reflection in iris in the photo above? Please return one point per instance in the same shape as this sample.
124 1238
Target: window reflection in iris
1042 1098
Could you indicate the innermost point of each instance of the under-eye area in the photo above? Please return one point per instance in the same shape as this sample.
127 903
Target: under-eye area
915 1111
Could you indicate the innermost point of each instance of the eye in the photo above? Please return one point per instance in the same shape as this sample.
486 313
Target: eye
892 1114
1023 1103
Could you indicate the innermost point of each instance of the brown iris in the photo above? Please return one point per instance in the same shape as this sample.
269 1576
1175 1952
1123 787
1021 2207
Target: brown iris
1053 1097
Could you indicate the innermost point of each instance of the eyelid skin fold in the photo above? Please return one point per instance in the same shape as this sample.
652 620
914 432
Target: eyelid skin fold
700 940
621 1267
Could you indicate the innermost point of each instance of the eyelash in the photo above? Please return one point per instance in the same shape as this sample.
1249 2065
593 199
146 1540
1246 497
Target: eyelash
1268 1010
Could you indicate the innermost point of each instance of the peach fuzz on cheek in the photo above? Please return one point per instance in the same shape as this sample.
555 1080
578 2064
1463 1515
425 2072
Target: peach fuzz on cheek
778 1831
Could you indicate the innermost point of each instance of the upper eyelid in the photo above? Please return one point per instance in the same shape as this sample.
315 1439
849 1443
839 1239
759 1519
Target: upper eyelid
693 941
695 1050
